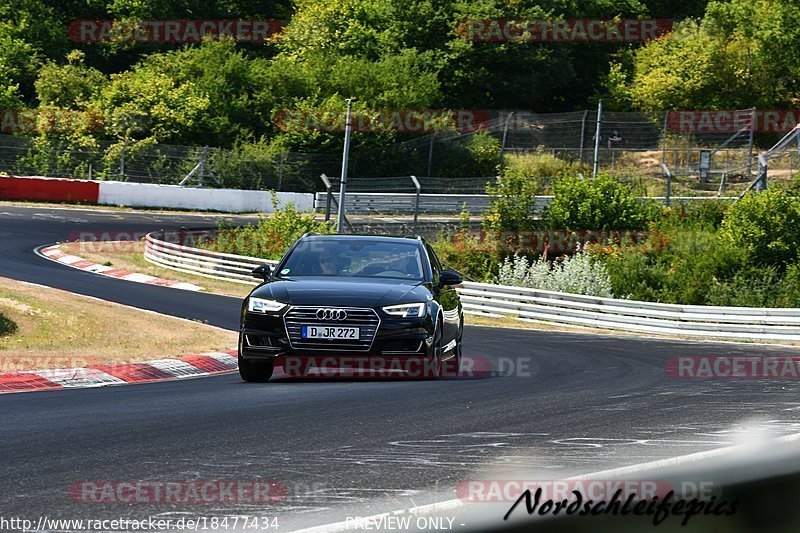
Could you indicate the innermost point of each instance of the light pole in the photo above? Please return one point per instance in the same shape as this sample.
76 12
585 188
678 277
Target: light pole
348 127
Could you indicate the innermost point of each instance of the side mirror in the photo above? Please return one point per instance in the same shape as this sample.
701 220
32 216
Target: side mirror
261 272
448 277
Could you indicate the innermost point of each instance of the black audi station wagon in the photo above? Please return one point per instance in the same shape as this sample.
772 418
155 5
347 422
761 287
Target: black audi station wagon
339 296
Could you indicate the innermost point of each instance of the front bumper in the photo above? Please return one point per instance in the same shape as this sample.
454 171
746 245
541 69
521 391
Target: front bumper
267 336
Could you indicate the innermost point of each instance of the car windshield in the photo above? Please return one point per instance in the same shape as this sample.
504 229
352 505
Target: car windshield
354 258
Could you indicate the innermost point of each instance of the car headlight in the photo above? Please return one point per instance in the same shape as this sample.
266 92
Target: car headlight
406 310
260 305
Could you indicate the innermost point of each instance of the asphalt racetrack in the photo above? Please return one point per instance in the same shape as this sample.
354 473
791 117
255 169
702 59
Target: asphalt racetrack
559 404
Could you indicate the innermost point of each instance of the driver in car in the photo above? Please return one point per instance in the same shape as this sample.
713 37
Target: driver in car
328 263
404 264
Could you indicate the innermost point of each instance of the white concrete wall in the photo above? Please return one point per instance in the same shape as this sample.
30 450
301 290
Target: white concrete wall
174 196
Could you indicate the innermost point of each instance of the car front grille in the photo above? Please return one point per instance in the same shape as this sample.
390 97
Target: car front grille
364 318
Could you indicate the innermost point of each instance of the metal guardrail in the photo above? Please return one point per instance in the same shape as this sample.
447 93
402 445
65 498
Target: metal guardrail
363 203
207 263
769 324
766 324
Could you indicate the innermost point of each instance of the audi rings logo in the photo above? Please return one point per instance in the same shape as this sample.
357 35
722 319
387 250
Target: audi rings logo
331 314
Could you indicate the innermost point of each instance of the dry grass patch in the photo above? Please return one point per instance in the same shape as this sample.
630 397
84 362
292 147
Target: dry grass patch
52 327
130 256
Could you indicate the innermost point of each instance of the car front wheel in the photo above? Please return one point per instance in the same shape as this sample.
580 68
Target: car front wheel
255 371
452 366
433 369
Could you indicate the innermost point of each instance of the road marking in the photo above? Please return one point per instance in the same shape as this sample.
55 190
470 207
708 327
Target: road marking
53 253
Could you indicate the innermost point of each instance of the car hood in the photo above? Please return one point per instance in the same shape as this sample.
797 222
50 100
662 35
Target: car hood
343 292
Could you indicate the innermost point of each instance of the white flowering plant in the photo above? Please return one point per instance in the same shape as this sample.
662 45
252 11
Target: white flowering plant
577 274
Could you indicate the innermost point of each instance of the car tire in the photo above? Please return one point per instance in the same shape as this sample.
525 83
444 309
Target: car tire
454 363
434 371
255 371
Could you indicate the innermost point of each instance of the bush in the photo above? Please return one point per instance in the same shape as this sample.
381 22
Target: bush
596 204
514 195
673 266
789 295
484 152
479 155
749 287
540 165
474 258
577 274
765 227
7 326
271 237
707 214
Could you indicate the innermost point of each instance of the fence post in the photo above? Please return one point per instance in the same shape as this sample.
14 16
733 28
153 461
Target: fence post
280 171
327 183
761 180
430 153
202 168
416 201
503 145
664 145
583 134
798 153
668 174
750 143
122 161
597 138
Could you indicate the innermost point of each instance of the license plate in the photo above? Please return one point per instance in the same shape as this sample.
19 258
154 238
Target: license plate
330 332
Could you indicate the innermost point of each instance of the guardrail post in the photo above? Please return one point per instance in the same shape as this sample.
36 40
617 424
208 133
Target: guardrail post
330 199
416 201
327 183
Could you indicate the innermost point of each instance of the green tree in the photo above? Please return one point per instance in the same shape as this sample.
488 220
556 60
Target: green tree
741 54
596 204
69 86
764 227
145 103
